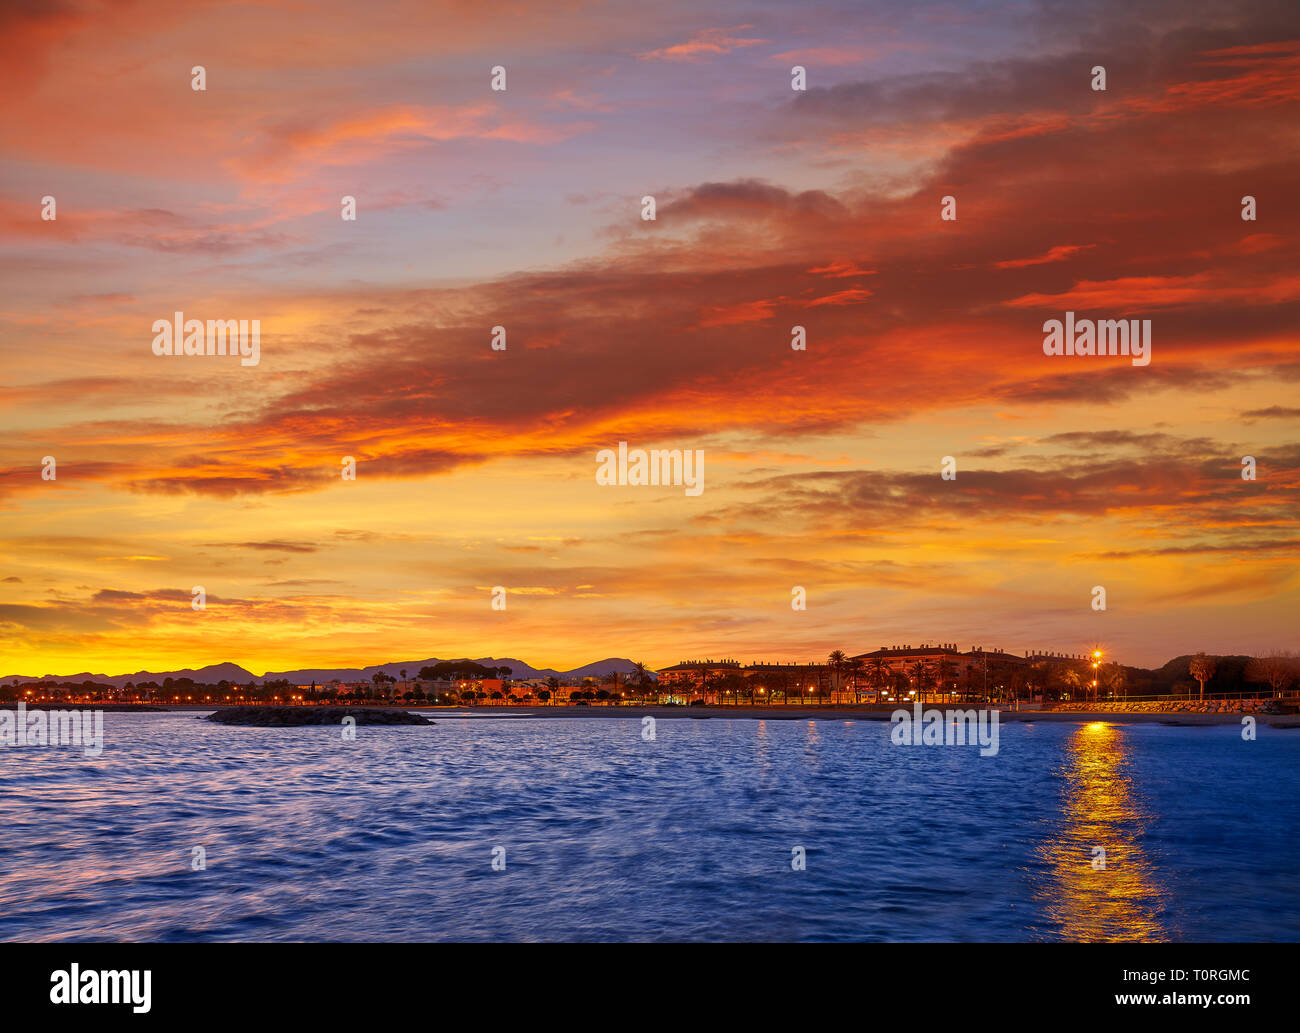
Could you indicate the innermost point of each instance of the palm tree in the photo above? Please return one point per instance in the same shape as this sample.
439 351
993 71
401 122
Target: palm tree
785 687
640 675
1202 669
855 669
921 671
703 671
945 670
1039 676
1113 677
1014 684
880 675
836 663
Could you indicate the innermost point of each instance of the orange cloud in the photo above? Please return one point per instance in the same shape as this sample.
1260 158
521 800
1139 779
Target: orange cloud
1056 254
708 43
1132 293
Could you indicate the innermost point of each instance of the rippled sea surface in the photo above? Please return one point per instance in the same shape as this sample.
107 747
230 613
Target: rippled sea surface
689 836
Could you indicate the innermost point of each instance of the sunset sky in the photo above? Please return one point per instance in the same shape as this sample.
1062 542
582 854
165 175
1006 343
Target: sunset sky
522 208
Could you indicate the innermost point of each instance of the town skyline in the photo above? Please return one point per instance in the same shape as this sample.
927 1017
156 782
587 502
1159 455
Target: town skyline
523 670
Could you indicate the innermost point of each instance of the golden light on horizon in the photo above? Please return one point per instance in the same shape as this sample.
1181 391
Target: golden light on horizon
1111 896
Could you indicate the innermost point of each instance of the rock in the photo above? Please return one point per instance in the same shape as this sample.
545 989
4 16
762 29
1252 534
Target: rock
296 717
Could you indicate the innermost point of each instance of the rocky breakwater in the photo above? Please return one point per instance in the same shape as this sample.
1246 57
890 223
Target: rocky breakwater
1171 706
297 717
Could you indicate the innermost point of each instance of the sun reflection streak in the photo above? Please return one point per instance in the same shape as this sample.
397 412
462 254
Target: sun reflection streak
1123 900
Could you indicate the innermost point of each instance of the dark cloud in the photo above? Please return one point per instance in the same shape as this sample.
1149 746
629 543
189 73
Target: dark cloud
276 545
1169 483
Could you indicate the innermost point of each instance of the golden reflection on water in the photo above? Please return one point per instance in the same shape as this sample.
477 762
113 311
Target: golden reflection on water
1123 901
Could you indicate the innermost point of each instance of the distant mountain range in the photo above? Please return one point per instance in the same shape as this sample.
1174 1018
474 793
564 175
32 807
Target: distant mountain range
214 673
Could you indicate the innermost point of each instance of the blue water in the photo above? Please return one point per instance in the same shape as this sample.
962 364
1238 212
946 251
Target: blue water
690 836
